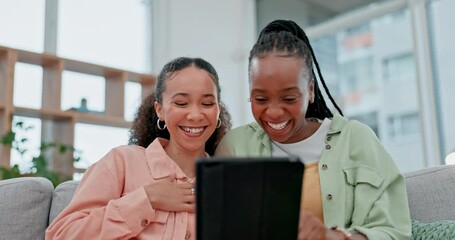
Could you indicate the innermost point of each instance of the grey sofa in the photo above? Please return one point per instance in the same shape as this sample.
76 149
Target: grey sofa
28 205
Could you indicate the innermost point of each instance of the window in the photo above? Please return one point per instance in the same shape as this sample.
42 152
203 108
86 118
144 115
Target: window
95 141
116 34
111 33
77 87
132 99
27 82
22 24
362 68
403 125
31 131
399 68
442 21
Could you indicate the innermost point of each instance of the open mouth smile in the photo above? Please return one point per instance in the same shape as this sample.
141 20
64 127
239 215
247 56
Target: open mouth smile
193 130
278 126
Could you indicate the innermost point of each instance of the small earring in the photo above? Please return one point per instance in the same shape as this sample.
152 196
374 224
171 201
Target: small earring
158 125
249 100
219 123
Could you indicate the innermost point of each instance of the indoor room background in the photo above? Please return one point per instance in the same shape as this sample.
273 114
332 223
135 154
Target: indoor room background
387 63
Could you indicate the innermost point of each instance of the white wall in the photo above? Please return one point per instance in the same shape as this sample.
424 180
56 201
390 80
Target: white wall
221 32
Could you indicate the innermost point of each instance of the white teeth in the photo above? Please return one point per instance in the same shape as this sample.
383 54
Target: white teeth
278 126
192 130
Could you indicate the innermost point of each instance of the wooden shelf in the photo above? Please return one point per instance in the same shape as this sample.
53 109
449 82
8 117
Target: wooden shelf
97 119
41 59
59 125
49 114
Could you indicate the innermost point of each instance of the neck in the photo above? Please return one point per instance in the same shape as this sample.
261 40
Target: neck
185 159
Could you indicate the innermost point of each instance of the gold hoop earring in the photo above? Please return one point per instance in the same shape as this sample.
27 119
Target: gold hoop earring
219 123
158 125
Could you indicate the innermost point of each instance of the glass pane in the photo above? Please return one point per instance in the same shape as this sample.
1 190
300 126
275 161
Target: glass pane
22 24
372 77
83 92
30 130
95 141
28 85
442 21
132 99
112 33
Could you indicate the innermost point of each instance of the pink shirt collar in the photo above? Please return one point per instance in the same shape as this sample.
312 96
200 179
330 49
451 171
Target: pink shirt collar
160 164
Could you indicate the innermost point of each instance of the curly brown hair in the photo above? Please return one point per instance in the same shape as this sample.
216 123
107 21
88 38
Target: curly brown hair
144 129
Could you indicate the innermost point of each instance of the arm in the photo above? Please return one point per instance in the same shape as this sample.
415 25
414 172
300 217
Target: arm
384 214
99 211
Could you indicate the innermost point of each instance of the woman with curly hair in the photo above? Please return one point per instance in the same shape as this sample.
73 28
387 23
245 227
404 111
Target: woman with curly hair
146 190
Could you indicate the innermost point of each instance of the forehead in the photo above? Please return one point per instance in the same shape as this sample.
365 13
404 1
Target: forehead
190 80
277 71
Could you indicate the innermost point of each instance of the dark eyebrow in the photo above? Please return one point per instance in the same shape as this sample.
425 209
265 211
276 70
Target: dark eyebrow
284 90
180 94
186 95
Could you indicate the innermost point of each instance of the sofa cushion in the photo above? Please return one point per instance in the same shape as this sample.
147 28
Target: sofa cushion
431 193
441 230
25 204
63 194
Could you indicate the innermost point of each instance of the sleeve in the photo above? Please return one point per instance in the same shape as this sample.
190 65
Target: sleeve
99 210
385 212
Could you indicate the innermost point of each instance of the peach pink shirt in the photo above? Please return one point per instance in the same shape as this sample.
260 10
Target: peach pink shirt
111 203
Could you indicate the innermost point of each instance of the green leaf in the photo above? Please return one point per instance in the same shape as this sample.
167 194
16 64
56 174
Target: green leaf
8 138
63 149
20 124
10 173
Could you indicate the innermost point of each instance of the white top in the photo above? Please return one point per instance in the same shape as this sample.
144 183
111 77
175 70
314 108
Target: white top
309 149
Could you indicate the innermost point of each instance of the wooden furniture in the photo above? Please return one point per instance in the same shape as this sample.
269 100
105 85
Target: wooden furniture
58 125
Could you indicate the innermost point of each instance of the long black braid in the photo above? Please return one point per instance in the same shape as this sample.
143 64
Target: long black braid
286 36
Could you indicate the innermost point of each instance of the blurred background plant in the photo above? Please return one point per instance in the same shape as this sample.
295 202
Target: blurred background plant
39 164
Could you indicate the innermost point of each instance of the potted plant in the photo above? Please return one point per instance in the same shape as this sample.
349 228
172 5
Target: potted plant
39 164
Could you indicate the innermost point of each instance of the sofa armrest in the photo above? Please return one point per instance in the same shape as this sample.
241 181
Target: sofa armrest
431 193
25 204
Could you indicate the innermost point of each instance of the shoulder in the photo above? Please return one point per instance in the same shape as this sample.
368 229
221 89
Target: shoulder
248 130
123 151
119 157
352 128
242 141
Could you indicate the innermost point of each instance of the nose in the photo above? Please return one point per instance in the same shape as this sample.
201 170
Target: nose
274 111
195 114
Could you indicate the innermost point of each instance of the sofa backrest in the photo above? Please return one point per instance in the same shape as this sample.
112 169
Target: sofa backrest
431 193
25 204
63 194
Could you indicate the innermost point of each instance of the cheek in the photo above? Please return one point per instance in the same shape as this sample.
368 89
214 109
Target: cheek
212 114
257 109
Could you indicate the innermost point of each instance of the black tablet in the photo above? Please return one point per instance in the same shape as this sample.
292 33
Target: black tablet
248 198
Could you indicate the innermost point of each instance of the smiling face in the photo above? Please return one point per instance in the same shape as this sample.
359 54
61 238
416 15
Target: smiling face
280 91
189 108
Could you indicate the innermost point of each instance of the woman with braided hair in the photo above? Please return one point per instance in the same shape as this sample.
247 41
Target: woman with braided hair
146 190
352 188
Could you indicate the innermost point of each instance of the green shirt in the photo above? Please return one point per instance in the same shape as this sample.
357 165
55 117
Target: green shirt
361 186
